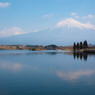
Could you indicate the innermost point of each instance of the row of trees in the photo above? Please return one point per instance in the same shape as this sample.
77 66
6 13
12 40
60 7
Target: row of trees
80 45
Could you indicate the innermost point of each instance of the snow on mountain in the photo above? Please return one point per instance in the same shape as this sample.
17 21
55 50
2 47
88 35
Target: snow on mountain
72 23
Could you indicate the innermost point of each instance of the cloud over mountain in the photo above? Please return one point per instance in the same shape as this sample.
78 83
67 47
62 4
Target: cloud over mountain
89 16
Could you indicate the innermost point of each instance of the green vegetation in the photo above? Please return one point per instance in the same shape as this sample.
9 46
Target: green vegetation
17 47
33 49
74 46
80 46
51 47
85 44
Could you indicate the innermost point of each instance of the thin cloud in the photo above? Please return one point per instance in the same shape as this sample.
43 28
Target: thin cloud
3 5
48 16
73 14
36 30
88 16
76 16
11 31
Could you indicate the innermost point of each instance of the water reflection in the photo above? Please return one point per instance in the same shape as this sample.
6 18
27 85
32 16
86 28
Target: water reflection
46 71
80 56
15 67
74 75
32 53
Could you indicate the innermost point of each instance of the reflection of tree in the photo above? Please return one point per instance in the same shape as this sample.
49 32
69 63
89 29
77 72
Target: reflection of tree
41 53
52 53
80 55
85 57
74 55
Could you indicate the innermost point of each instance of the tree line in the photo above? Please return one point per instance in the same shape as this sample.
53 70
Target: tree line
81 45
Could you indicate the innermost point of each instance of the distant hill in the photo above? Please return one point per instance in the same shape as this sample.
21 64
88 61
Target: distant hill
64 32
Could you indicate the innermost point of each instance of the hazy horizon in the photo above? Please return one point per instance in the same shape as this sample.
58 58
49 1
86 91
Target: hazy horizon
75 20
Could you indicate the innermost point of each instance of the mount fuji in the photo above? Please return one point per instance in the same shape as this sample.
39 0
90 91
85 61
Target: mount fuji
64 32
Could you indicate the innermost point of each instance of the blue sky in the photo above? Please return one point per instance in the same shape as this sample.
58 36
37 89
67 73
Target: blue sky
35 15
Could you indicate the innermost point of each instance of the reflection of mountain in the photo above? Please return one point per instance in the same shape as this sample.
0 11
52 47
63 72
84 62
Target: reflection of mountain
53 65
75 75
11 66
64 32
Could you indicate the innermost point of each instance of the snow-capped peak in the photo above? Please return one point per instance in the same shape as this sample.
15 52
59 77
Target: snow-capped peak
72 23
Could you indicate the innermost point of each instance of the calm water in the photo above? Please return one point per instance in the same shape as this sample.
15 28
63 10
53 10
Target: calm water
46 73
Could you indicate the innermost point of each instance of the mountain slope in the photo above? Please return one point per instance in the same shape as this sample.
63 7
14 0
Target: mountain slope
64 32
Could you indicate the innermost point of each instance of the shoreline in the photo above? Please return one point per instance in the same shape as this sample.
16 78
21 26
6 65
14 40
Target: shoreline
35 47
49 47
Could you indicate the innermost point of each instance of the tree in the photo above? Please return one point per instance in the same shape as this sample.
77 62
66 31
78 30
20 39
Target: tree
33 49
81 45
74 46
17 47
85 44
78 46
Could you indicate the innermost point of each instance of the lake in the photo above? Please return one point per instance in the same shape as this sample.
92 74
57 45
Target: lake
46 73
